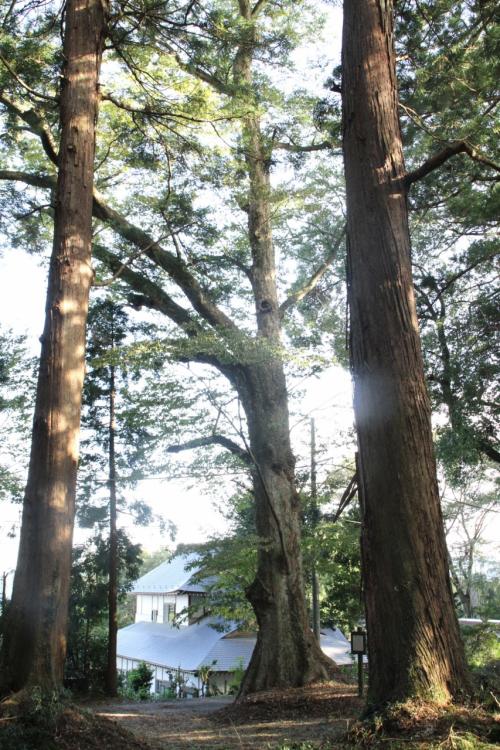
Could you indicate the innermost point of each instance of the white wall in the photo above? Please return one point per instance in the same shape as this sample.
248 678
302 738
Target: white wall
146 603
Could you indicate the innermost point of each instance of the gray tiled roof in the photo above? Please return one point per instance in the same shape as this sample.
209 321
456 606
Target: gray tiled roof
200 644
158 643
170 576
228 653
335 645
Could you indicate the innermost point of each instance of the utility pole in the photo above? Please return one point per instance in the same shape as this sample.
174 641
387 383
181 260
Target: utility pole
314 506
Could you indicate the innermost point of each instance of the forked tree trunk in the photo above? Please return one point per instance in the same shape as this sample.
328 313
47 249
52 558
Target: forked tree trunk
34 646
286 653
413 636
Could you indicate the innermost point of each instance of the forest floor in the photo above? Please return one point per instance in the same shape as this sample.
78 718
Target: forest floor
322 716
274 719
319 717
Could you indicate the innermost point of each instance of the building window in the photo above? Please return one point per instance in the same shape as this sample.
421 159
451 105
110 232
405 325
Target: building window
154 615
169 613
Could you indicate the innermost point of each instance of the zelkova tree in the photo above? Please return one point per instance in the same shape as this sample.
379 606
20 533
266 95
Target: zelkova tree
414 642
253 364
34 645
277 592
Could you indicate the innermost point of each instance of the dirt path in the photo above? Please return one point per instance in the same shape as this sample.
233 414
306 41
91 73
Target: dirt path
314 715
189 706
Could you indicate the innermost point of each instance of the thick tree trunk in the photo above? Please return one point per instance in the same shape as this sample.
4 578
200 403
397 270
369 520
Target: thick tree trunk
35 640
414 642
111 672
286 653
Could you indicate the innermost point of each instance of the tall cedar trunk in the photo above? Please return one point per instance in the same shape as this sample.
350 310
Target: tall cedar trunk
286 653
35 639
111 672
414 642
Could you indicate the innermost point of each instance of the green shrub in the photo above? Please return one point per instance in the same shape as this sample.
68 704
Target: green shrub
482 645
139 681
482 649
237 675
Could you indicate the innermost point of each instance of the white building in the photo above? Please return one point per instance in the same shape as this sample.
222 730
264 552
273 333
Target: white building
166 592
176 637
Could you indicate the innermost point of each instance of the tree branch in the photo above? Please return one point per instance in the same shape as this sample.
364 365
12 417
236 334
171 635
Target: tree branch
195 70
146 293
348 494
52 99
166 260
36 125
296 148
28 178
452 279
174 266
434 162
225 442
152 295
259 5
489 450
149 111
314 279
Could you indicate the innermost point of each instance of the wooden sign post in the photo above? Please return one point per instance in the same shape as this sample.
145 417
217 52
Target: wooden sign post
358 646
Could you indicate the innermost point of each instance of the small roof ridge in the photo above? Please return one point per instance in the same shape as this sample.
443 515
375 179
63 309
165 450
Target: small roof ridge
171 576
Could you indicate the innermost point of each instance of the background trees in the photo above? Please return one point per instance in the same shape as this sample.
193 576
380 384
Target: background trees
447 73
16 402
87 662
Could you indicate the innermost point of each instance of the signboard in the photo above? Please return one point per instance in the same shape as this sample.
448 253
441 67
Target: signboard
358 646
358 642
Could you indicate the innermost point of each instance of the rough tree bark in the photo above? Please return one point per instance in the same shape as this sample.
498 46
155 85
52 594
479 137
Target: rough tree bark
286 653
414 642
34 645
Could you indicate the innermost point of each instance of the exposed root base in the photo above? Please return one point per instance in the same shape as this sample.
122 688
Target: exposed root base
328 672
321 699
